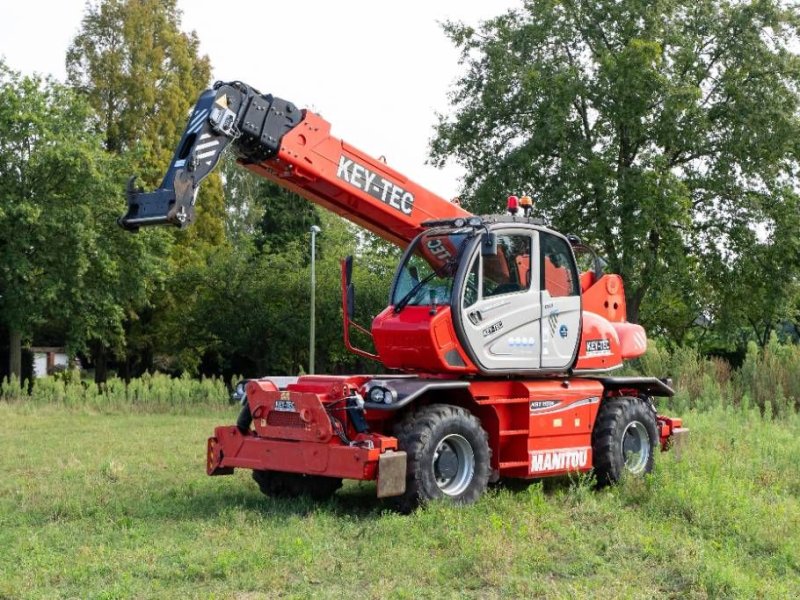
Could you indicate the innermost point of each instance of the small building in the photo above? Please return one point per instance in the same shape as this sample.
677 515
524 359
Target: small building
47 359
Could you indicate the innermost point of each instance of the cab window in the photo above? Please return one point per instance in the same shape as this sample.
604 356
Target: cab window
471 284
509 270
559 275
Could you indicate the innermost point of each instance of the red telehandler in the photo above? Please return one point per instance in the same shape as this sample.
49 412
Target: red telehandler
500 349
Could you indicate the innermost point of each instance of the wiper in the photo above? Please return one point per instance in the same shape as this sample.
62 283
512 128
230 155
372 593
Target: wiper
413 292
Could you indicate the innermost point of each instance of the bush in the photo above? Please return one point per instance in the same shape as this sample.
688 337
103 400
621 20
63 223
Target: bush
769 378
149 393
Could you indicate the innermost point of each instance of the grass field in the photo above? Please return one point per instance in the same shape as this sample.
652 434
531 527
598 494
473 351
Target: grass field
119 506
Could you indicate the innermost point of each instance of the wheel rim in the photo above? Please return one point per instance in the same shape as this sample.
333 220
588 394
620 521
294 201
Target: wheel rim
453 464
635 447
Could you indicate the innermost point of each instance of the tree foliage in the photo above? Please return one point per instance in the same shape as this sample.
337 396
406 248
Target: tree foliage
142 74
66 267
247 310
664 132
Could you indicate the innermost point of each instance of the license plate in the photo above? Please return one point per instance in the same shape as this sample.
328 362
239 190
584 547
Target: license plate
285 406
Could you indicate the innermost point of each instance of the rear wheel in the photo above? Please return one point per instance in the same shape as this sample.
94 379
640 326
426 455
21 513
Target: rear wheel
448 456
290 485
624 439
245 419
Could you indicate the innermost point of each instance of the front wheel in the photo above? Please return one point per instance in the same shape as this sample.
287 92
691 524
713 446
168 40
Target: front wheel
290 485
448 456
624 439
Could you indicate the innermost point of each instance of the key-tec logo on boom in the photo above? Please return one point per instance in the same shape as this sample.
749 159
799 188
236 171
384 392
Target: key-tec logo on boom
376 186
559 460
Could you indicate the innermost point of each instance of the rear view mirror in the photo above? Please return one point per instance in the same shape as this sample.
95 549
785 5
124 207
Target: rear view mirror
599 266
349 308
489 244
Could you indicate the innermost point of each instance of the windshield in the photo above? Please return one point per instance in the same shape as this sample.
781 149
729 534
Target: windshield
430 268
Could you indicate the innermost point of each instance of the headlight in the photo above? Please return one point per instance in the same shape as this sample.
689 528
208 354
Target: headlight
380 395
376 394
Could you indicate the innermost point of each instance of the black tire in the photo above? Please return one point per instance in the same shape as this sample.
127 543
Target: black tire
278 484
245 419
438 433
629 422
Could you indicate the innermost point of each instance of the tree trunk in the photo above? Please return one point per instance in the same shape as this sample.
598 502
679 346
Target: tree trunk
100 360
632 305
15 353
125 368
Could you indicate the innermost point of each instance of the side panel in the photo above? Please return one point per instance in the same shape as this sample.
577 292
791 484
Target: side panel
561 426
415 340
606 297
599 347
544 427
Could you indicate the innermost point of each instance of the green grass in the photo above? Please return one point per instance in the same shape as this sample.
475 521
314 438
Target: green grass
119 506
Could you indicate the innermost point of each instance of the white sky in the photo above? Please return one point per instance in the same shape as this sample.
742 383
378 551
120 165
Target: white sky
377 70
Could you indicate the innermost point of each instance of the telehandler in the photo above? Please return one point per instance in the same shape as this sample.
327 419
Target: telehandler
500 350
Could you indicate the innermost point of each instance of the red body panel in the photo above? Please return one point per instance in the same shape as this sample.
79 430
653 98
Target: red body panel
605 297
538 415
596 332
632 340
415 340
230 448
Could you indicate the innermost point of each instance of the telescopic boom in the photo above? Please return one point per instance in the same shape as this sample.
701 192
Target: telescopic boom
292 147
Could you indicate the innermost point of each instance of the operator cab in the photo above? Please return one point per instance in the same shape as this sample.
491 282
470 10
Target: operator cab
500 295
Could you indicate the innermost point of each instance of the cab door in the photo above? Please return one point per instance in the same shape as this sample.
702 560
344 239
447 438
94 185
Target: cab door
560 302
501 304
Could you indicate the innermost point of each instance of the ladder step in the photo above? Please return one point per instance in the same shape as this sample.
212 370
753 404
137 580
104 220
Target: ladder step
514 432
515 463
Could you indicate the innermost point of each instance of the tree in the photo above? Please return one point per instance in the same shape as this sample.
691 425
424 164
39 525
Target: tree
759 291
64 262
665 132
262 211
141 73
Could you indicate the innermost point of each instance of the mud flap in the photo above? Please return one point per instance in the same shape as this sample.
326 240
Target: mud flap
678 441
391 474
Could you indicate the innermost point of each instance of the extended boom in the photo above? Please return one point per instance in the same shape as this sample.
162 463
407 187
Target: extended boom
294 148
